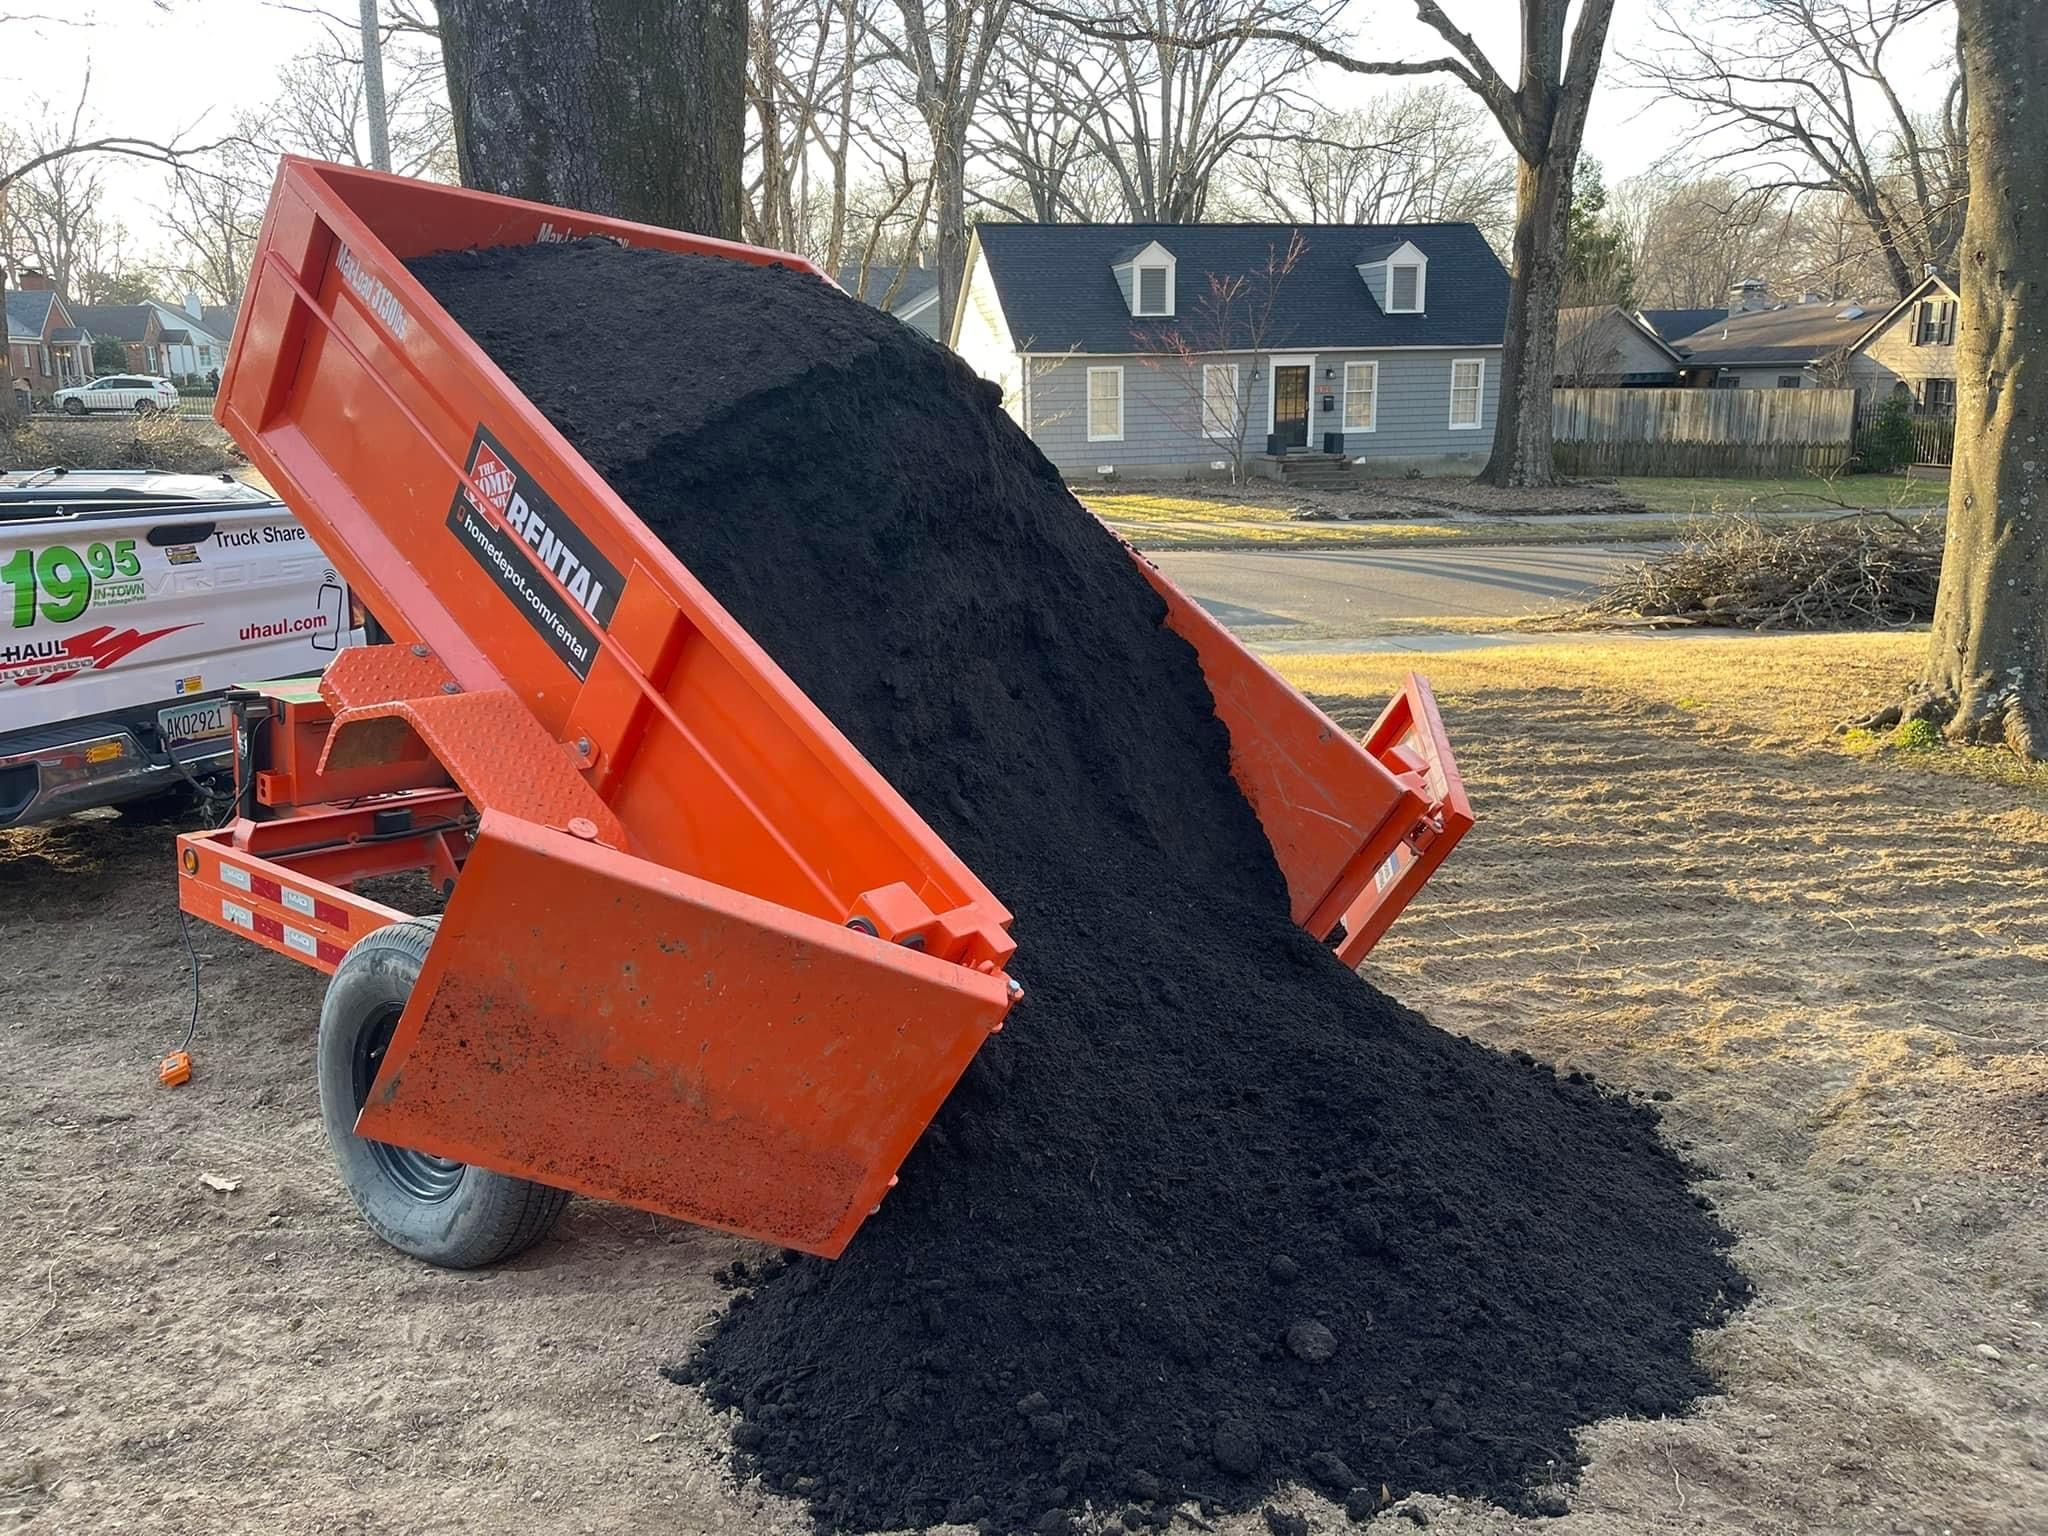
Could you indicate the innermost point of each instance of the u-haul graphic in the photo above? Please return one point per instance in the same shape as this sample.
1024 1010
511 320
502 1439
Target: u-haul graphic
107 614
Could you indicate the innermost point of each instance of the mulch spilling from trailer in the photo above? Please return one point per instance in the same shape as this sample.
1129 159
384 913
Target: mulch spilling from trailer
1211 1214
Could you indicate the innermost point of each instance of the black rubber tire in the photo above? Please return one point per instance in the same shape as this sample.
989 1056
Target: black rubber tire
145 407
74 407
467 1217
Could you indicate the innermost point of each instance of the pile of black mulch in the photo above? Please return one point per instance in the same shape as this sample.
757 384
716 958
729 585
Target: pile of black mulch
1211 1213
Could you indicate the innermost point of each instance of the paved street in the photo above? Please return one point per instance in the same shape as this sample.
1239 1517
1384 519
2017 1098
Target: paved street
1328 593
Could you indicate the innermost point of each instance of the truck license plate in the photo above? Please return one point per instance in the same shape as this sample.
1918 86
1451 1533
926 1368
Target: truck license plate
183 723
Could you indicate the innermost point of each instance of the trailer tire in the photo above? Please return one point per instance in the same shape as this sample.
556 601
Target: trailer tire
450 1214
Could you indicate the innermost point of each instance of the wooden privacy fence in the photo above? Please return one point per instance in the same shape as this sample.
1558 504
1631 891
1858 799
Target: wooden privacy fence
1701 431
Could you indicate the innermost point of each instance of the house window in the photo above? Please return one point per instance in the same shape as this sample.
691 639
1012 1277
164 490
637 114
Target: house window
45 359
1105 405
1404 289
1790 381
1936 324
1938 394
1361 396
1727 381
206 357
1468 385
1219 400
1152 291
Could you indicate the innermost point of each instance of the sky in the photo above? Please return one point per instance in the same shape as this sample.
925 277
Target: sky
163 66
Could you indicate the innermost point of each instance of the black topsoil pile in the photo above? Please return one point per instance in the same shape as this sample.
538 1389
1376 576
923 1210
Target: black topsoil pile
1211 1213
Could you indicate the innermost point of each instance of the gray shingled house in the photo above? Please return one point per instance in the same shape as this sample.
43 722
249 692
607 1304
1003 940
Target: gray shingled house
1380 346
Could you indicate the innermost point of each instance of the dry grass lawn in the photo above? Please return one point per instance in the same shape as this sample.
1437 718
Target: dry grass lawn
1835 965
1706 496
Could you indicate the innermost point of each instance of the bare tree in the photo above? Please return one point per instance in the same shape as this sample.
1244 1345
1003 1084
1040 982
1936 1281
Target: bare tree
1164 116
1986 676
1825 247
946 47
894 215
1806 93
322 108
1225 341
1589 346
626 107
73 137
1412 156
1693 239
1033 128
215 212
53 218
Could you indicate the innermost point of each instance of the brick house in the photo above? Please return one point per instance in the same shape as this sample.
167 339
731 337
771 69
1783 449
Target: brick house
138 327
46 346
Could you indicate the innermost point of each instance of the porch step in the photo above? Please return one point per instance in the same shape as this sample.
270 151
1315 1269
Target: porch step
1315 471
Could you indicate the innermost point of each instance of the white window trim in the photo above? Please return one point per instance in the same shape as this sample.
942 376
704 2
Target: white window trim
1478 398
1292 360
1088 405
1229 431
1421 266
1344 407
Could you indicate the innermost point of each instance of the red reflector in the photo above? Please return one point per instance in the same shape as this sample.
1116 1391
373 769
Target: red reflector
330 954
269 927
327 912
268 889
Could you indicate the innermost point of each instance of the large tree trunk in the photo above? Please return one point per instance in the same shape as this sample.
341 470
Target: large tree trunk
1528 361
631 108
1987 664
949 174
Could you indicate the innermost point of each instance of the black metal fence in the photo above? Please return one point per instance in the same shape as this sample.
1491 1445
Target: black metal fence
1933 429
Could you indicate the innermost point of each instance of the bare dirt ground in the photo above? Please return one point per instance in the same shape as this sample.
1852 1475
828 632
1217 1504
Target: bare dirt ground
1837 967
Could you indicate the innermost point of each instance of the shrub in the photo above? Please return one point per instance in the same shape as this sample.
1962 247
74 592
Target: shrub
1886 444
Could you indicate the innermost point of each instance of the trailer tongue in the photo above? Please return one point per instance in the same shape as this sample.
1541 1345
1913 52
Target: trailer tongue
699 956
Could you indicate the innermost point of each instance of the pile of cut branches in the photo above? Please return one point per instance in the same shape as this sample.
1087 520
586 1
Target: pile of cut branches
1863 570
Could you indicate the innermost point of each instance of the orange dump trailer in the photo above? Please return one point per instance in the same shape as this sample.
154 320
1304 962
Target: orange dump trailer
697 955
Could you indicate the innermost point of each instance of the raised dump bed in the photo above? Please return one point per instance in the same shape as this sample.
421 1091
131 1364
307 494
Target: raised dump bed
699 956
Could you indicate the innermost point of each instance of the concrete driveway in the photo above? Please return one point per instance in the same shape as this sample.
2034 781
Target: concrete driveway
1325 593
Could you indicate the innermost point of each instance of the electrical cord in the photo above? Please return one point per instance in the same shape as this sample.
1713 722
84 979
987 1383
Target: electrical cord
192 955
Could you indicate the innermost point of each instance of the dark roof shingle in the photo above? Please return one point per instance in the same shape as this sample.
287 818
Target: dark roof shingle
28 311
1058 293
1796 333
119 322
917 282
1671 324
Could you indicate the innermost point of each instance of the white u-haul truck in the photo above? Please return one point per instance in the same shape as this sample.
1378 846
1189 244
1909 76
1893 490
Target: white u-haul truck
129 603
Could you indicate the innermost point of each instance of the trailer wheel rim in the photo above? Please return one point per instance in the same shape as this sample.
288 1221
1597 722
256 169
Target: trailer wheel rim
420 1175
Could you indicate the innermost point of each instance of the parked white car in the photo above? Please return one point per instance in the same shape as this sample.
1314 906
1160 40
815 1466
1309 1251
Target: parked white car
141 393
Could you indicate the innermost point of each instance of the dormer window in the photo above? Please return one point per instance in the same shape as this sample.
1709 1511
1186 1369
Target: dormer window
1145 275
1398 276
